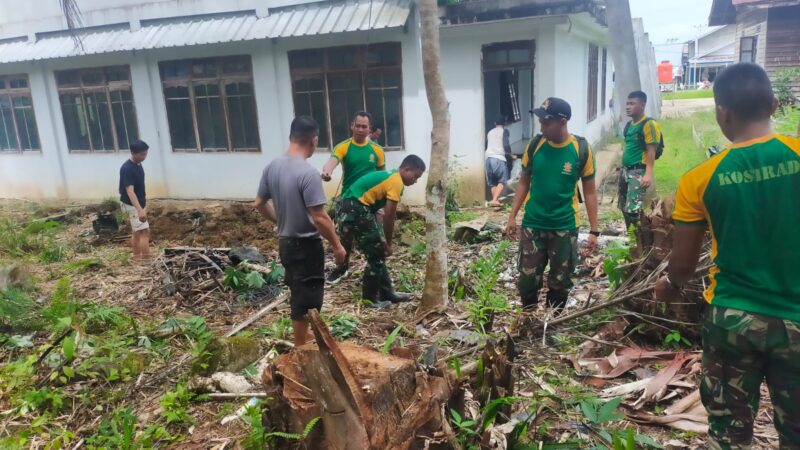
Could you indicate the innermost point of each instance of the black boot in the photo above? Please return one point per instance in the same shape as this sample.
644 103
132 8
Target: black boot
557 301
530 303
388 293
370 286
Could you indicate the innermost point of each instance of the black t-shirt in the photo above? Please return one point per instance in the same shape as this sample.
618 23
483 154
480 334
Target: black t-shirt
132 174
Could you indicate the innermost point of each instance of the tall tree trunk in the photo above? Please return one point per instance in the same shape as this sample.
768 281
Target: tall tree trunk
623 53
435 293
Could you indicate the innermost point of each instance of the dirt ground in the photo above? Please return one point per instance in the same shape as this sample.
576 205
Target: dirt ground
547 382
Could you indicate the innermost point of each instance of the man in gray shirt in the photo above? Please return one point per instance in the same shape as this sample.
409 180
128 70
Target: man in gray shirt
297 204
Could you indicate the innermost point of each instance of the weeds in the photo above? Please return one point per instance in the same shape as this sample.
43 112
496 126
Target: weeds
16 309
461 216
675 340
616 254
389 342
598 415
343 326
175 406
487 303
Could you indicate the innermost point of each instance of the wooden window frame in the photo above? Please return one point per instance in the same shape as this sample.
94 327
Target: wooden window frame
752 50
325 70
504 48
16 92
604 81
106 87
592 81
221 79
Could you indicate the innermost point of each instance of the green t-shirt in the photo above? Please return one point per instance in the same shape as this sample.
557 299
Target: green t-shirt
635 151
748 195
373 189
555 169
358 160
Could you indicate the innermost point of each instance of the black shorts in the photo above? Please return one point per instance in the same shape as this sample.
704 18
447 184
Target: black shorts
304 261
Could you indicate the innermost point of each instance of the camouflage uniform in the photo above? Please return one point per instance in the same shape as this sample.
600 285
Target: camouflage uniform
357 223
631 193
740 349
536 248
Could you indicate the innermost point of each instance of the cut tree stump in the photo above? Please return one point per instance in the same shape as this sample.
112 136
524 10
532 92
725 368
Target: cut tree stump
367 400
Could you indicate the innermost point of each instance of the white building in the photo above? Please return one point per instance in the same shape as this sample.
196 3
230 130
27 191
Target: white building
213 86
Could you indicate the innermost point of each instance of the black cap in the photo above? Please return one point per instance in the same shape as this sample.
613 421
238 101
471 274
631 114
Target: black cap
554 108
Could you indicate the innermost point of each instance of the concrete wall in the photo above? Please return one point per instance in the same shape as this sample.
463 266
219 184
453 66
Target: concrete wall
648 70
561 70
25 18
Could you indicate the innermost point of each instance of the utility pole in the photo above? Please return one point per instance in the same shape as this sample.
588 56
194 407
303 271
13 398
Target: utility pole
623 52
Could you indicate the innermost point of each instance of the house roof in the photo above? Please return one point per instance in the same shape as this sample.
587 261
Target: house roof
472 11
723 12
311 19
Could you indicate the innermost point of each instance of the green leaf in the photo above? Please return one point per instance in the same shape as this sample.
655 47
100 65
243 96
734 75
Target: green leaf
391 338
456 416
64 322
310 426
589 411
68 347
254 280
606 412
630 444
647 440
69 371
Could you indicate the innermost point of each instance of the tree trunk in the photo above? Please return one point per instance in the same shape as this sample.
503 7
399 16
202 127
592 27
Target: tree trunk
623 53
435 292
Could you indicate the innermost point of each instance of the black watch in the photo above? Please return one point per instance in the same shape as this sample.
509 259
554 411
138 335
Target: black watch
595 233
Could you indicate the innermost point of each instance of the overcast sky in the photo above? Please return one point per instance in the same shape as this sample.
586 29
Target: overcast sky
671 19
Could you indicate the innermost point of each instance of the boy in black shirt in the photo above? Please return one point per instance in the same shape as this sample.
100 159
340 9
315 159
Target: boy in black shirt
134 199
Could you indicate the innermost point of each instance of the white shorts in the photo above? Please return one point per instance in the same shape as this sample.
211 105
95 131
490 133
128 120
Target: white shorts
136 224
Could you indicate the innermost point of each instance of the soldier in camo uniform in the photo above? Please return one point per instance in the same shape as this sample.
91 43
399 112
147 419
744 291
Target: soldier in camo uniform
551 167
642 137
357 222
751 329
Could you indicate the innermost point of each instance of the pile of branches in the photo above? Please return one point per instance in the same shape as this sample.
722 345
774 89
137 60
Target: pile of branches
652 251
197 274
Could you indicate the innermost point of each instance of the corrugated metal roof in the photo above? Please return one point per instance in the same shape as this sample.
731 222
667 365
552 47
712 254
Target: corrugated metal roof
301 20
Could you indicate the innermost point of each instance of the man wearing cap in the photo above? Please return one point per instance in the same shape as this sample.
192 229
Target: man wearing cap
552 164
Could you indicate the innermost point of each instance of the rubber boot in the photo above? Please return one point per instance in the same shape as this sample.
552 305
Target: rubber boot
388 293
557 301
530 302
370 286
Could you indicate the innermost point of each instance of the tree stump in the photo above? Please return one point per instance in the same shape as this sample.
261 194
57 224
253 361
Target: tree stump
367 400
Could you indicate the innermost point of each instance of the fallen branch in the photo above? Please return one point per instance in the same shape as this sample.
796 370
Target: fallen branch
261 313
235 395
53 345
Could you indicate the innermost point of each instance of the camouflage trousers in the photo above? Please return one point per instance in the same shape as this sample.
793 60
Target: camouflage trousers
740 350
356 223
631 193
536 249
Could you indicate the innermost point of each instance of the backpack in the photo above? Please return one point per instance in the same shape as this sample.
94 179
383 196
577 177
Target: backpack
659 147
583 154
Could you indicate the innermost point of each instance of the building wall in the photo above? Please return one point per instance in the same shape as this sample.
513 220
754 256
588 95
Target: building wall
561 70
783 41
752 23
55 172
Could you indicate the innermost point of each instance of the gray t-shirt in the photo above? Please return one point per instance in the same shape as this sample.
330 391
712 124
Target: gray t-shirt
293 185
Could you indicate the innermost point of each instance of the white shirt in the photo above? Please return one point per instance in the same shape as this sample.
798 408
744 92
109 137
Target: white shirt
494 144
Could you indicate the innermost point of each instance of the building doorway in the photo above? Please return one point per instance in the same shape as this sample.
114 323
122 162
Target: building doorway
508 92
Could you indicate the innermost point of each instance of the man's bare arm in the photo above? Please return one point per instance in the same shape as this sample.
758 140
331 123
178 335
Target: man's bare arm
325 226
327 169
389 213
266 208
523 187
650 161
590 197
687 242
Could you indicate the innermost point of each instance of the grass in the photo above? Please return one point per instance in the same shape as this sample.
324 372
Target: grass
787 123
681 151
685 95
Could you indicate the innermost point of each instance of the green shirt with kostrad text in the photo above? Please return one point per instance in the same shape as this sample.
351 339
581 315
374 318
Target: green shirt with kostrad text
358 160
555 169
749 196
